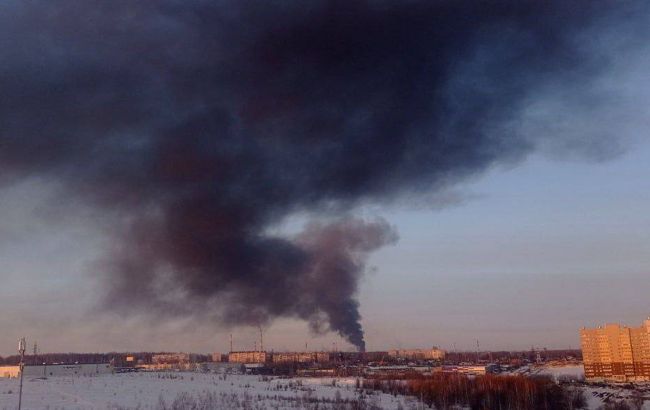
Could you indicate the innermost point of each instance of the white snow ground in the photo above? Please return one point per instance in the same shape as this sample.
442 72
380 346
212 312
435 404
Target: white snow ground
149 390
575 372
595 395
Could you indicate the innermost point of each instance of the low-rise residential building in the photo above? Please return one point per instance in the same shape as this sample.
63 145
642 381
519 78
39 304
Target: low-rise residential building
300 357
316 372
170 358
253 356
400 370
158 367
418 354
474 370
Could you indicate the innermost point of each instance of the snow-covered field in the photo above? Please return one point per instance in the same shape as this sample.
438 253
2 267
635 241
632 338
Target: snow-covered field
575 372
181 390
212 391
595 395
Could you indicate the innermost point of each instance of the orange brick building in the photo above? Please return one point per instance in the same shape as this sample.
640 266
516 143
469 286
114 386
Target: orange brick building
616 353
248 357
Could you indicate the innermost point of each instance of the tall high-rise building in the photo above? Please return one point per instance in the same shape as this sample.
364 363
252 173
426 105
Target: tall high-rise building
617 353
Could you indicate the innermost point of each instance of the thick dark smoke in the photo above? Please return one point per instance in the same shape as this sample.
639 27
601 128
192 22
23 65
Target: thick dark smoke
195 127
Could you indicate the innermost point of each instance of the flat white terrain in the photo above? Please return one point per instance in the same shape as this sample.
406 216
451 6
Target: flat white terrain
575 372
191 390
171 390
596 396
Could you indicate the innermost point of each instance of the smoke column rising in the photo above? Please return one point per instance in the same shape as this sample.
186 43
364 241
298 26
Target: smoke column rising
197 126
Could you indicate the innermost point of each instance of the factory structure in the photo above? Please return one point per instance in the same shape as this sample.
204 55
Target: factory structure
614 352
255 361
320 358
53 370
324 363
256 356
252 361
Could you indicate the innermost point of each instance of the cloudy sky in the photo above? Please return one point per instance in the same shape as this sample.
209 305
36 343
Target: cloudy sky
394 174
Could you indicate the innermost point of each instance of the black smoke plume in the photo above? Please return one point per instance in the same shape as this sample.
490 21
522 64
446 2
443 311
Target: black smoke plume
196 127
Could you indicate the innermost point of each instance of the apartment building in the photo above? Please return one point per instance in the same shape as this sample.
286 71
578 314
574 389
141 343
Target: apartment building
247 357
418 354
301 357
616 353
170 358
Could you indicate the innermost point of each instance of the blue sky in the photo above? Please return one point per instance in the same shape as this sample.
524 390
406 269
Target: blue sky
538 251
